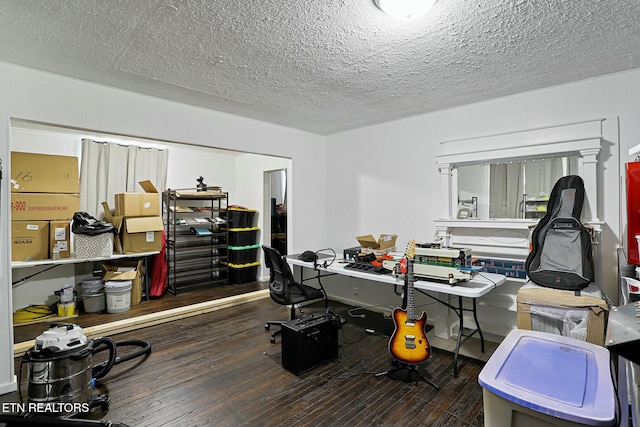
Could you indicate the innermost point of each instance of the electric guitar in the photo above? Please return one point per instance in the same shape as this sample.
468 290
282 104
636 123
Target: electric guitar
408 342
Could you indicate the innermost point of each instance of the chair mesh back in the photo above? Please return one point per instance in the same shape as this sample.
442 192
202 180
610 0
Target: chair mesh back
279 275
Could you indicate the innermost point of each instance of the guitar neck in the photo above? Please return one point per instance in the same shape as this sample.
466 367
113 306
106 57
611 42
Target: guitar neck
409 279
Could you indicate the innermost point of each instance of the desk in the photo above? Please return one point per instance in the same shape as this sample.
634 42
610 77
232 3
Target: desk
480 285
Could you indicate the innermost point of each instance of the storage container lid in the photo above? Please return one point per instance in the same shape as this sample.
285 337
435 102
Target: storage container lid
243 248
559 376
235 230
242 210
251 264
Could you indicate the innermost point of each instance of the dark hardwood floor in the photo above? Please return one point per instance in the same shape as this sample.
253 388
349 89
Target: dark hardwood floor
219 369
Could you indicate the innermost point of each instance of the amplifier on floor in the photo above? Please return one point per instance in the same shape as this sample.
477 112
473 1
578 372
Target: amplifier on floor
309 341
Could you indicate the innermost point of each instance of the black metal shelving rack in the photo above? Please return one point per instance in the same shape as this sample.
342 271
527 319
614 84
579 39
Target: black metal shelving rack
195 261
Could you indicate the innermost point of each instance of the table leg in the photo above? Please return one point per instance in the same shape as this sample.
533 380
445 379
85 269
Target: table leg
475 317
460 331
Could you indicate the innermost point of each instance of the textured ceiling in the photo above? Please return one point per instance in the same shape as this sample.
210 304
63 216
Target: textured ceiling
322 65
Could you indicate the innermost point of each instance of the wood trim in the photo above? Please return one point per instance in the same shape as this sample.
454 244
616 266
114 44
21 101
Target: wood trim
153 319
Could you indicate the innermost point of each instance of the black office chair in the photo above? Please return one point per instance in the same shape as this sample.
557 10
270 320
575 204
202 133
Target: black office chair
284 289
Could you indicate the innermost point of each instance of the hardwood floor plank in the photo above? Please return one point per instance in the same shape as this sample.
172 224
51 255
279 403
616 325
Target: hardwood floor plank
220 369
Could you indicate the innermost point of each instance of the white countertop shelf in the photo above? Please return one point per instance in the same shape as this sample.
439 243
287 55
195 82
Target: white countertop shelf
75 260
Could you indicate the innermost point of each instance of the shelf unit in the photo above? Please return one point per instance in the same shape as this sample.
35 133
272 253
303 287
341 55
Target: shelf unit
196 243
534 206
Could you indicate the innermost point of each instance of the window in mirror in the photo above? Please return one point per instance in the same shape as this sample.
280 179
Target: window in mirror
515 189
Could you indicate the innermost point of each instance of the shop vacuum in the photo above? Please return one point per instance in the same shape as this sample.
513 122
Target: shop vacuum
62 376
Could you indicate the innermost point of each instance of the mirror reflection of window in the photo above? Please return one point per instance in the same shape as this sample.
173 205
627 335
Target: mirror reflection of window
501 187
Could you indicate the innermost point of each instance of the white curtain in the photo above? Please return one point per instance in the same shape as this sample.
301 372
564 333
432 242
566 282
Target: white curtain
107 168
510 181
541 175
505 190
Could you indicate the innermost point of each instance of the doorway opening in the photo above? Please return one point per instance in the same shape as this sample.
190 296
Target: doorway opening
276 205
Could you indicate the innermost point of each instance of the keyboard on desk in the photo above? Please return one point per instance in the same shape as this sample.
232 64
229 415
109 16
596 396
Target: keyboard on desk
366 267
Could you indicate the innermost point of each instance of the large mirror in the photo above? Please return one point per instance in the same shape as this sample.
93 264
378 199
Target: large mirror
526 151
511 189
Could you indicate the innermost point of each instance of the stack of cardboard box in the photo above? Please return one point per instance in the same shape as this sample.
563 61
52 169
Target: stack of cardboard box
137 217
44 196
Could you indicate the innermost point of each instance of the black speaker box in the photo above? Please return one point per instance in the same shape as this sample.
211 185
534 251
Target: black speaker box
309 342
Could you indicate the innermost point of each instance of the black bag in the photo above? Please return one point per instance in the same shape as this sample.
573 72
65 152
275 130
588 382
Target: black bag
561 255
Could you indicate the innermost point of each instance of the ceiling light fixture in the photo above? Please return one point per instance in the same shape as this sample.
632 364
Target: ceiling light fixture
404 9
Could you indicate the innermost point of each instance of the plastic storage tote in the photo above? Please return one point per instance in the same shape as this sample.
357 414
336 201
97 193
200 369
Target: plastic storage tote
243 236
240 218
540 379
243 273
243 254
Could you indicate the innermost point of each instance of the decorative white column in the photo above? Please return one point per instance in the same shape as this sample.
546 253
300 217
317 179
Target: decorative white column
589 161
445 189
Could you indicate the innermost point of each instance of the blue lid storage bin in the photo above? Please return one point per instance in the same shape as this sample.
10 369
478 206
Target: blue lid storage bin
243 254
541 379
243 273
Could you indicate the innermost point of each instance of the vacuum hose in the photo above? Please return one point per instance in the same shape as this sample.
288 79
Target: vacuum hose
102 369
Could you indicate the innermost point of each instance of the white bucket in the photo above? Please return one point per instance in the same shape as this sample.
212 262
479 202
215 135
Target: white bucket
92 286
118 295
94 302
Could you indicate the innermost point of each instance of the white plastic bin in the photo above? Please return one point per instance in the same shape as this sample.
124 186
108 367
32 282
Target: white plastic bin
537 379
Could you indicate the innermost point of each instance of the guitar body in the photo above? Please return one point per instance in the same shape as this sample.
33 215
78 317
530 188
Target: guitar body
409 343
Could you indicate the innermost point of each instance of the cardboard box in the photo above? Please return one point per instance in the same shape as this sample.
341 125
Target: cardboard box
44 173
562 312
29 239
138 204
126 270
383 245
60 238
140 234
98 246
43 206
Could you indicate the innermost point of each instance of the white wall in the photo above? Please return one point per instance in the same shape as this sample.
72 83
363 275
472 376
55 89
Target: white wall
42 97
383 178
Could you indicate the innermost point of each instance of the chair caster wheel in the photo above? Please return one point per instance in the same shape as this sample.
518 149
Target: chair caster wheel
267 326
272 340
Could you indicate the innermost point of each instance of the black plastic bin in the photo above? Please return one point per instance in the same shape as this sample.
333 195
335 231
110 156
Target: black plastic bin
243 273
243 236
240 218
243 254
